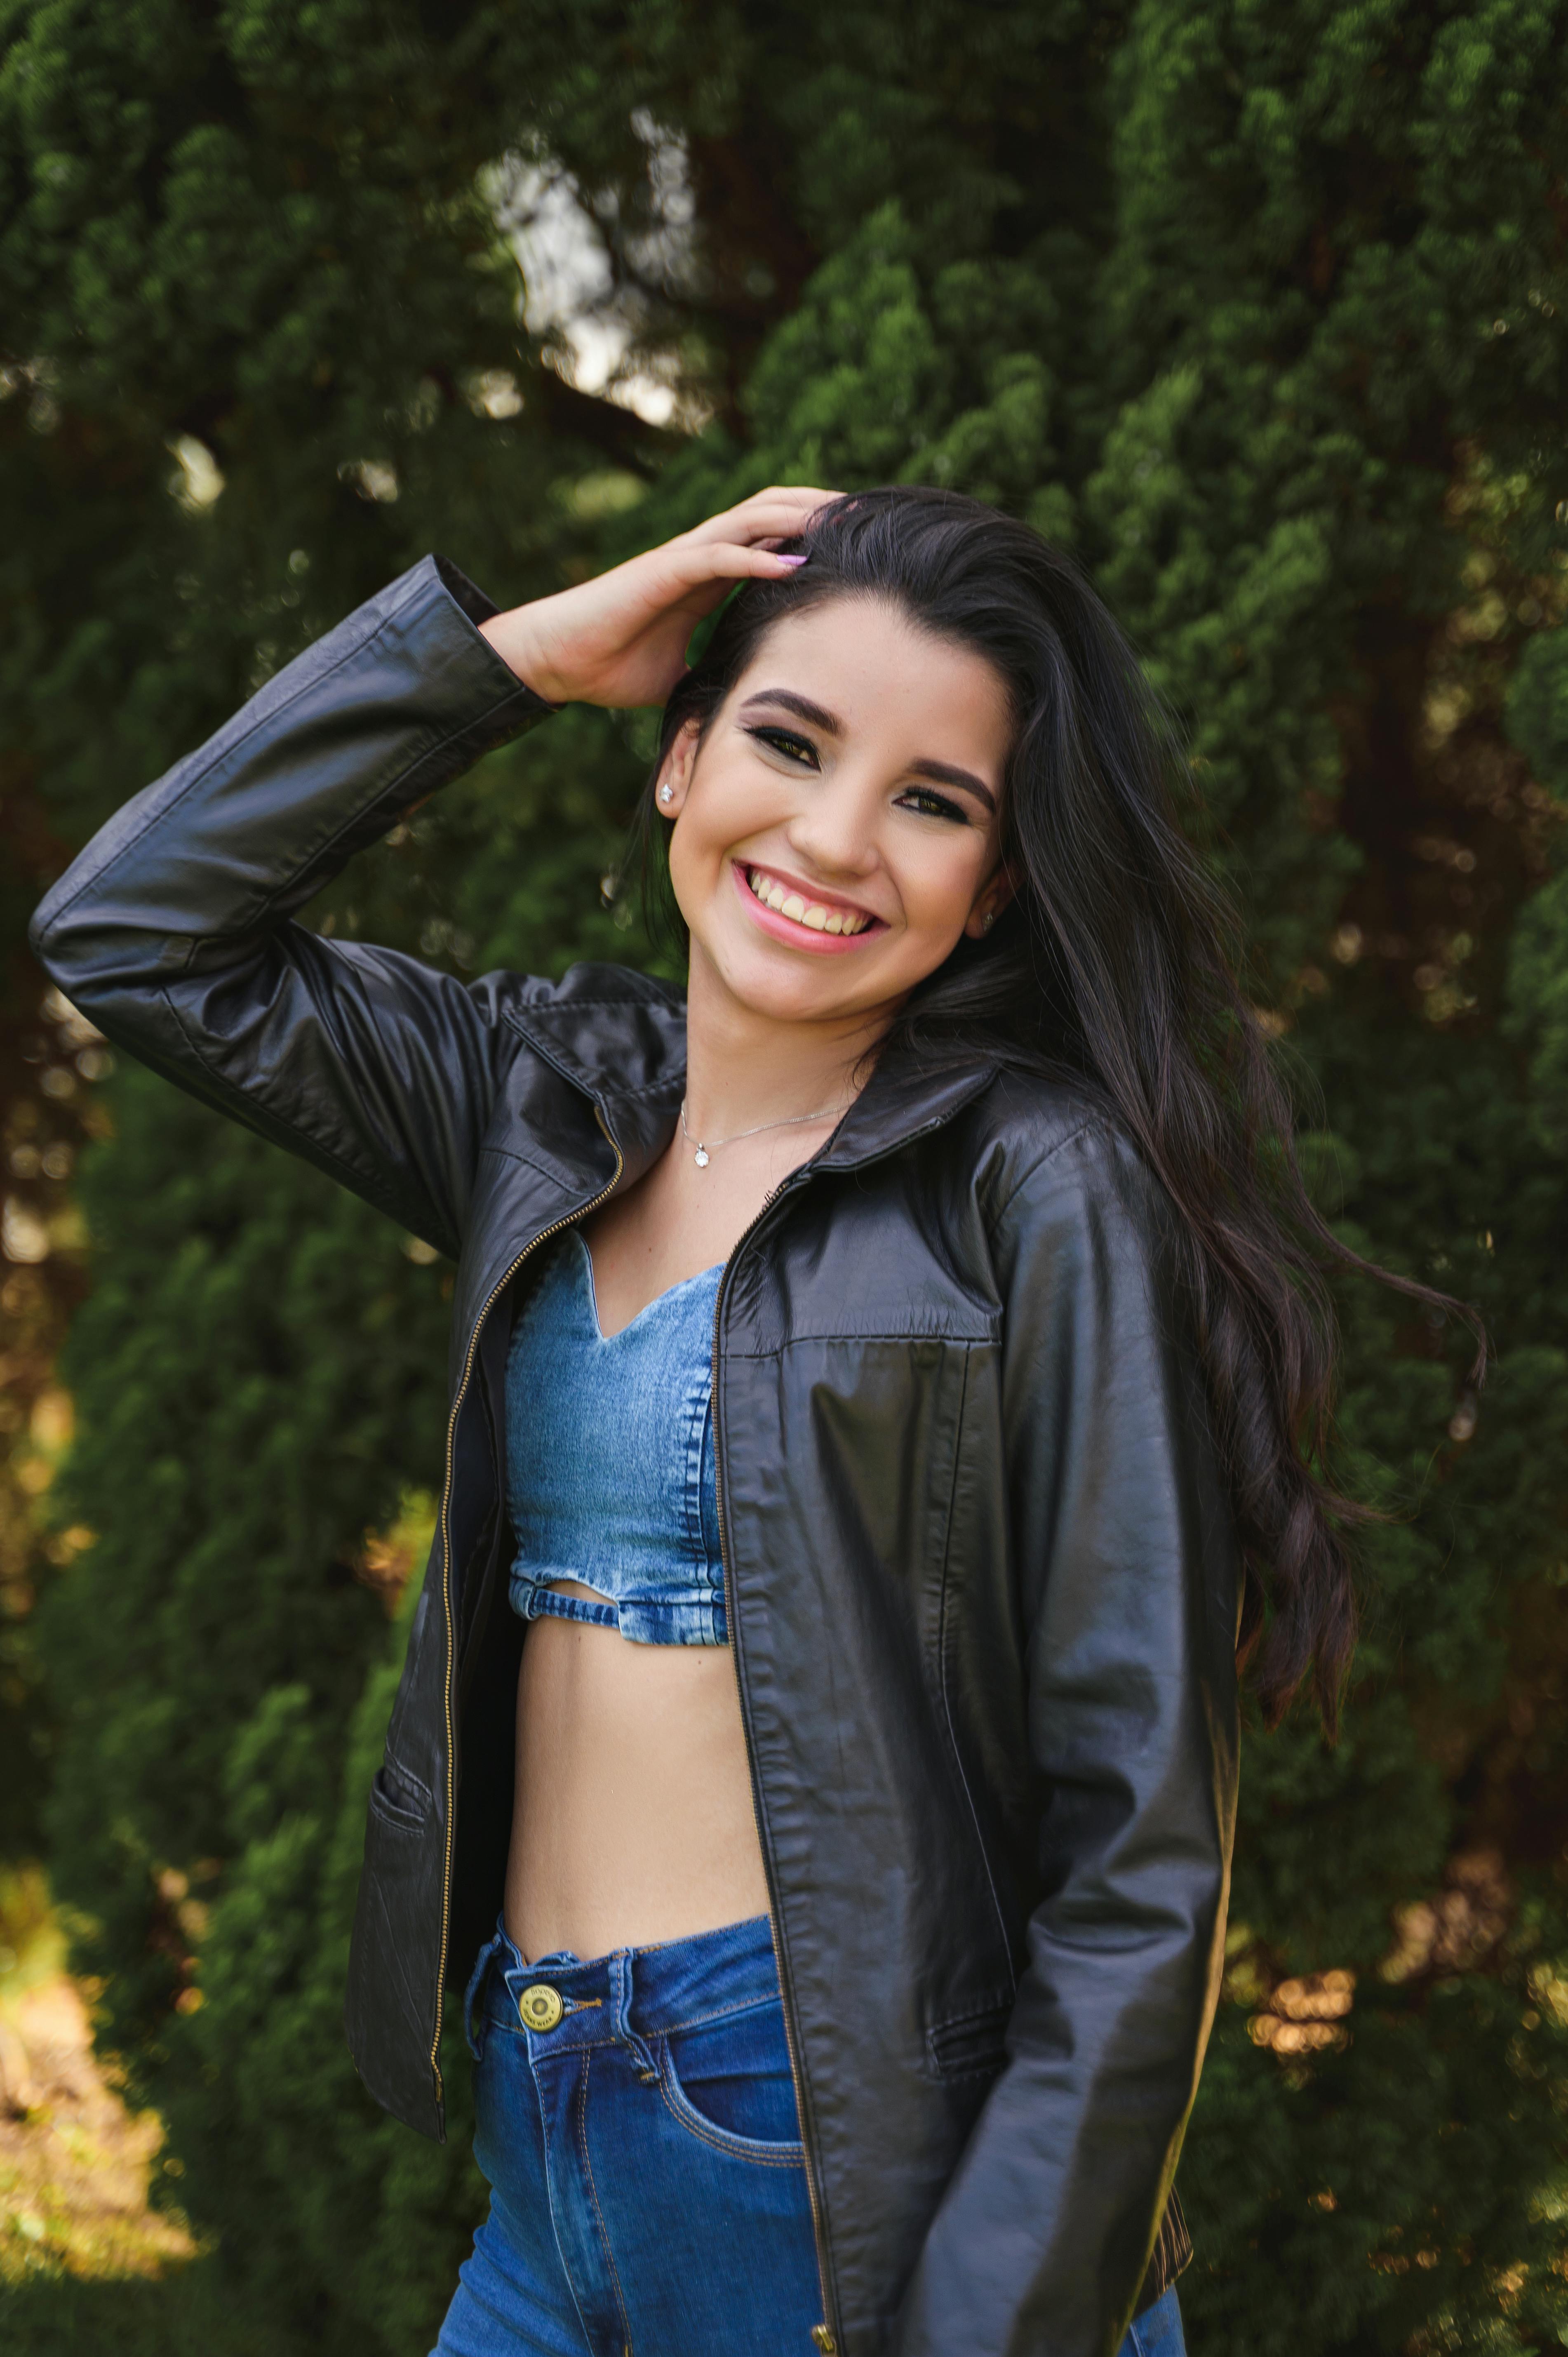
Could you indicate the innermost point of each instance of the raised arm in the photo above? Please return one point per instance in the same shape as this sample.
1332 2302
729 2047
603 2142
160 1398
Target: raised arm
175 930
1127 1589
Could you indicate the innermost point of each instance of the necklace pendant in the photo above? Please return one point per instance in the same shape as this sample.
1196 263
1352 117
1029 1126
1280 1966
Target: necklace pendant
701 1157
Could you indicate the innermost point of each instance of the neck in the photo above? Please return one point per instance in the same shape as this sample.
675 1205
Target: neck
743 1068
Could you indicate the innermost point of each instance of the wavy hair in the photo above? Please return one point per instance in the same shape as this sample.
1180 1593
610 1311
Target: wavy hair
1118 965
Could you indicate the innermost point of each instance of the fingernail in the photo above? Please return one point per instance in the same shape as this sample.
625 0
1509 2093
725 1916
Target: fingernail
792 560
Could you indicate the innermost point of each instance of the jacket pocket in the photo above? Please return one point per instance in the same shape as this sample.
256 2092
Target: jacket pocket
397 1796
971 2045
395 1952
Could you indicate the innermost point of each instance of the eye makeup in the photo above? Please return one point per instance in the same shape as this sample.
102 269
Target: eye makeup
803 754
935 805
788 744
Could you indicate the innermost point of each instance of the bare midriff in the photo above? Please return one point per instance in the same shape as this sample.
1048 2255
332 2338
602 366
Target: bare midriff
633 1821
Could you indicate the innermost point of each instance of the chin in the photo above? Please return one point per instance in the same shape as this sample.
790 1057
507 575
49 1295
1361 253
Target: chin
783 988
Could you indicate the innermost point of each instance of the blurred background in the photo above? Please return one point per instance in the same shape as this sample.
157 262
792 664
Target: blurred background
1259 308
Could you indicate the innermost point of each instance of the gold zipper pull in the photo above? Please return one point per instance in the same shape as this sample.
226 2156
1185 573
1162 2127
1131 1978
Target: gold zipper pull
824 2340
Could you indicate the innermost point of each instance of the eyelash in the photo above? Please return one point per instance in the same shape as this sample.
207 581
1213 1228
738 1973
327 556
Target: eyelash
784 742
939 804
779 740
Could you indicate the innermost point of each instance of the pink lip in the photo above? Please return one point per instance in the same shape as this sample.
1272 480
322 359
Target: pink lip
801 937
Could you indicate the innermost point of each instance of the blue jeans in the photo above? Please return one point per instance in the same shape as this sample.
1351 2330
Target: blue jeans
636 2121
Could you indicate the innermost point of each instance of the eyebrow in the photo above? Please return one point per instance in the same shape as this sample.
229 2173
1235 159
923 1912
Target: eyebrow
945 774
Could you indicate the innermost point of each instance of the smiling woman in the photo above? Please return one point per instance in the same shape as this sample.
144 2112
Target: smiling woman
829 803
891 1375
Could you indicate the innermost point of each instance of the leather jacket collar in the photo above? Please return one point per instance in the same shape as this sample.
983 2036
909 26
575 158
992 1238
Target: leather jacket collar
621 1038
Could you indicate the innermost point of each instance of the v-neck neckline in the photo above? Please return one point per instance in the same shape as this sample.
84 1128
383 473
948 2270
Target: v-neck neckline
679 1285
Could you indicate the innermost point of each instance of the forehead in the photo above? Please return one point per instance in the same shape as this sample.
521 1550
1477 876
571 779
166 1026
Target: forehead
882 675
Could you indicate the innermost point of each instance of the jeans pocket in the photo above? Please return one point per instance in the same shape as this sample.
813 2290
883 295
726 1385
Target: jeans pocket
730 2085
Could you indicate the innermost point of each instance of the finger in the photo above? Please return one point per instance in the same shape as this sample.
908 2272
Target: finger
810 492
724 560
776 514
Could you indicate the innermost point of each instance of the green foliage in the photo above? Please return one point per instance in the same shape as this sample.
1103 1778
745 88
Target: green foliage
1373 2191
260 1363
1537 1009
370 2223
1262 312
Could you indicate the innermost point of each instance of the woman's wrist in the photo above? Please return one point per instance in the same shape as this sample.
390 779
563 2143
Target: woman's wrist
517 642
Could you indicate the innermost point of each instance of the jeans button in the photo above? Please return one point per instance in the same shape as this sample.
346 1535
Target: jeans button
539 2005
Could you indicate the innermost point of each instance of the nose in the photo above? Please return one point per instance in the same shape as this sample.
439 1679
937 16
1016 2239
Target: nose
834 830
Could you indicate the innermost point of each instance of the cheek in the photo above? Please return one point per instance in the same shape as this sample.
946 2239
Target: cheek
720 811
938 886
725 806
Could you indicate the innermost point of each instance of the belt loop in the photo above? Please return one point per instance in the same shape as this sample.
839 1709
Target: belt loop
475 1990
621 2003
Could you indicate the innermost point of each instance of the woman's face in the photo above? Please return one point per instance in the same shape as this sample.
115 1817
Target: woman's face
839 828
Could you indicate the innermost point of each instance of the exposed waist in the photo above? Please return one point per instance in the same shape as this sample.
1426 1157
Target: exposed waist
653 1991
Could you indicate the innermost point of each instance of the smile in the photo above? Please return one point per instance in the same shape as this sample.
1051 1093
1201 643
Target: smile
835 924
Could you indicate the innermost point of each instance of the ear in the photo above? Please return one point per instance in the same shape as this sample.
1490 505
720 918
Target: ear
992 899
675 771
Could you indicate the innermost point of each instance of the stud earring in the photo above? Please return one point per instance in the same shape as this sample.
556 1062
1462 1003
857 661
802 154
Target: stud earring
666 793
988 921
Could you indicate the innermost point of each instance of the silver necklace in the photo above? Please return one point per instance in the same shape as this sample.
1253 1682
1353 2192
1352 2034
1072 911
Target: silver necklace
705 1153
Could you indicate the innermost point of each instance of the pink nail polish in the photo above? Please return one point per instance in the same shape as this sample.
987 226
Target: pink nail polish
792 560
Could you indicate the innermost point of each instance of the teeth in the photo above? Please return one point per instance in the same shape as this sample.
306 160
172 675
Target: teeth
811 914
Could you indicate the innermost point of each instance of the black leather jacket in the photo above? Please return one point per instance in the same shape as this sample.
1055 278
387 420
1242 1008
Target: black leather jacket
981 1579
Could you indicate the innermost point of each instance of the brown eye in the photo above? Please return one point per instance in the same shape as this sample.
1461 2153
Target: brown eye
784 741
933 806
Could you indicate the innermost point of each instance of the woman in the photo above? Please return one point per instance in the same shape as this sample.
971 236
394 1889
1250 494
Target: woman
878 1386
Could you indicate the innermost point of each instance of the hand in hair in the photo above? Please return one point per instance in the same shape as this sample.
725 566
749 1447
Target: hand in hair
621 639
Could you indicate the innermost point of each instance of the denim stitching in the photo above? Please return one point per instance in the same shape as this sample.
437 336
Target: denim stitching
697 2020
508 2021
685 1939
761 2156
510 2026
593 2192
550 2196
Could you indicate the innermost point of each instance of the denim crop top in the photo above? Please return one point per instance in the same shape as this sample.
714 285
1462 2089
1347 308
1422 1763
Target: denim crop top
610 1452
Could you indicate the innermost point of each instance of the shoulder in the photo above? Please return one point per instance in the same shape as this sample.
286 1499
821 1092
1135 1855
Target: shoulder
1030 1136
1052 1169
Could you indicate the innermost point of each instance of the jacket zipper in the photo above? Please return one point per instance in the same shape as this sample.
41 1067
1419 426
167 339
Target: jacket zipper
580 1213
822 2334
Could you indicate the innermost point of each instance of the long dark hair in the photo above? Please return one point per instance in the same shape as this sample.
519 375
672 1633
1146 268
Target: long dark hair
1116 963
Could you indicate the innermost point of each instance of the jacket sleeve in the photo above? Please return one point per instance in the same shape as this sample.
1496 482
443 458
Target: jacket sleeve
174 928
1128 1590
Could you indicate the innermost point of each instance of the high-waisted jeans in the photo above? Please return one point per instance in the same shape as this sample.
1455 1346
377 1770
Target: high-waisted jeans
636 2121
